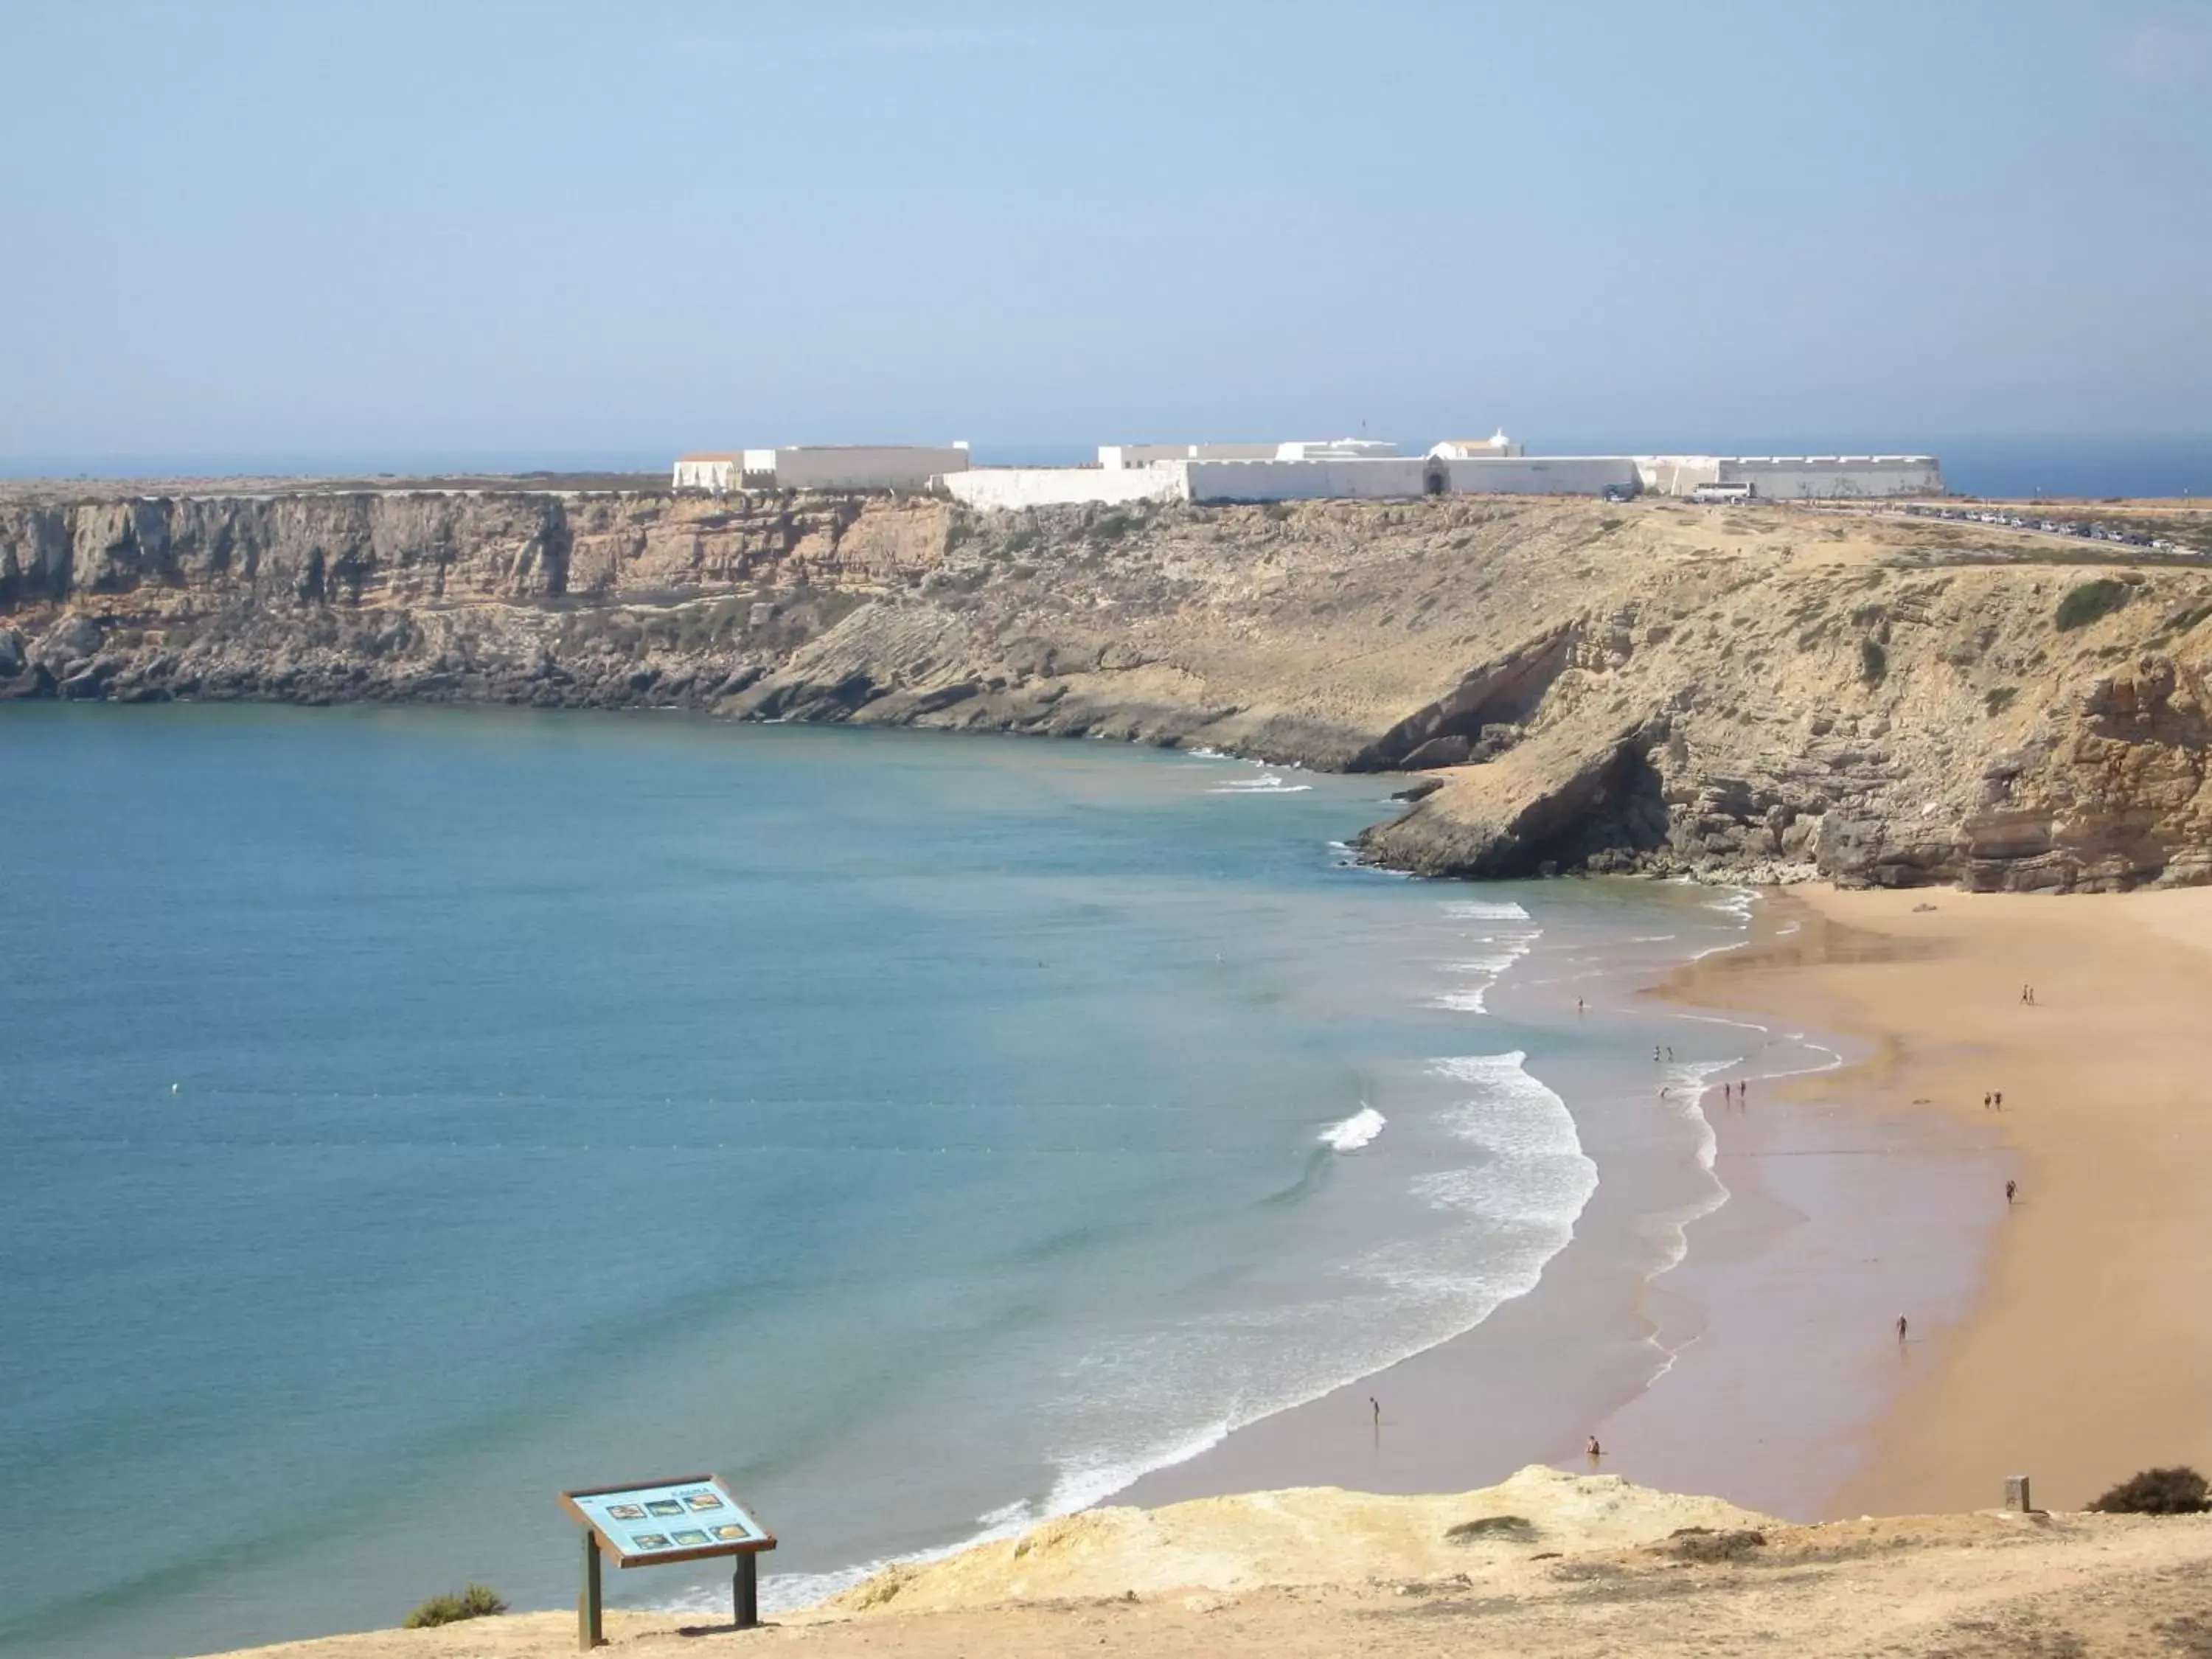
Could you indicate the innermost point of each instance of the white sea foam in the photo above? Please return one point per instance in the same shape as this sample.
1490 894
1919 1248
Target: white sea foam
1492 965
1267 783
1532 1184
1685 1086
1356 1130
1510 935
1722 1019
1737 902
1485 911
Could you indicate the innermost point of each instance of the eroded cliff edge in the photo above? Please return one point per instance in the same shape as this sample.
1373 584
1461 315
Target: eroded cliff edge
1747 693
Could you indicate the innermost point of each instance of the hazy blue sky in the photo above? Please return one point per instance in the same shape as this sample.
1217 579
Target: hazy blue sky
473 231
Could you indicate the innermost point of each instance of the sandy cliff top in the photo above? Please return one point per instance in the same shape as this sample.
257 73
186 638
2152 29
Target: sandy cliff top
1610 1569
1308 1536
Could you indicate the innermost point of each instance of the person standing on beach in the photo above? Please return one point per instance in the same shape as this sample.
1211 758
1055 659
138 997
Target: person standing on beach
2011 1188
1985 1100
2000 1099
1900 1327
1375 1406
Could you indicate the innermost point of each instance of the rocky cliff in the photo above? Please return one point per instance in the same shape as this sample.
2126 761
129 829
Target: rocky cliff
1745 692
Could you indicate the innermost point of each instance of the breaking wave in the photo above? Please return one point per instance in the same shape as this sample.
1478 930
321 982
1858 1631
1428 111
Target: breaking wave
1356 1130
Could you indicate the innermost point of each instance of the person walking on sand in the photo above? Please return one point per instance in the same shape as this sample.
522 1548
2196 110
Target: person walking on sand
1985 1100
2012 1189
1999 1097
1375 1406
1900 1327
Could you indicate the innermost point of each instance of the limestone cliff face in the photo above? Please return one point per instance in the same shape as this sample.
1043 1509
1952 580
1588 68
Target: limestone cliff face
1740 693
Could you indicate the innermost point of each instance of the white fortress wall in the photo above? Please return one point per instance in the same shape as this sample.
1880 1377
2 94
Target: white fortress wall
1803 477
1539 475
863 466
995 489
1677 475
1387 479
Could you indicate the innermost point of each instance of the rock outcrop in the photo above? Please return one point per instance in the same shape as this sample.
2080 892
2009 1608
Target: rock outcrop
1751 693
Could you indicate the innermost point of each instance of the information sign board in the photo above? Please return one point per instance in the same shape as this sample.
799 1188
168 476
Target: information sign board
680 1520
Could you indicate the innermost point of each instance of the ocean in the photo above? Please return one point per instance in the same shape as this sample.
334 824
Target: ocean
409 1114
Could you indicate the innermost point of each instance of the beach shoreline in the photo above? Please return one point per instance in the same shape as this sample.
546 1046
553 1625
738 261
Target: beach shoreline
2047 1336
1702 1365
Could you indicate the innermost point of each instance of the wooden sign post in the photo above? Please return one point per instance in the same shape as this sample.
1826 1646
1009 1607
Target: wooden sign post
655 1523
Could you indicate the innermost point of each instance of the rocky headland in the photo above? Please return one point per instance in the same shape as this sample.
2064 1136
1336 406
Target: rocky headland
1750 692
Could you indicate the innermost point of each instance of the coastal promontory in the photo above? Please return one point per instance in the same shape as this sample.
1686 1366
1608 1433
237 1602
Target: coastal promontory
1745 692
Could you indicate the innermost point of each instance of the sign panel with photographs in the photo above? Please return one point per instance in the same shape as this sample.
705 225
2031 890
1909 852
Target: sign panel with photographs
679 1520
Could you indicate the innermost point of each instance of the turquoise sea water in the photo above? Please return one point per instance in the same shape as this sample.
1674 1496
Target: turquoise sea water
408 1113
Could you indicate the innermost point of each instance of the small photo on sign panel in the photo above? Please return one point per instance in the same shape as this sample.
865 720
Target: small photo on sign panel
690 1537
728 1534
625 1512
664 1506
703 1500
651 1541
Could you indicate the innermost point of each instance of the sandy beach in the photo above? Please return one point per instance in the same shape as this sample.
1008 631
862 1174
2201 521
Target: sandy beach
2082 1358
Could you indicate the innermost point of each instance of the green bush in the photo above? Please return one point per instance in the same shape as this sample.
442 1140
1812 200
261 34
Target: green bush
2179 1490
2091 601
1998 701
1704 1546
1874 661
1514 1528
1112 526
475 1601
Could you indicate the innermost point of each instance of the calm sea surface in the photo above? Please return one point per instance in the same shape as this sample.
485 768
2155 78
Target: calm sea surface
408 1113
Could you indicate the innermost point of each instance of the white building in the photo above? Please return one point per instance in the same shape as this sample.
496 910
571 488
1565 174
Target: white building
1497 448
1337 449
719 470
820 466
1116 457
